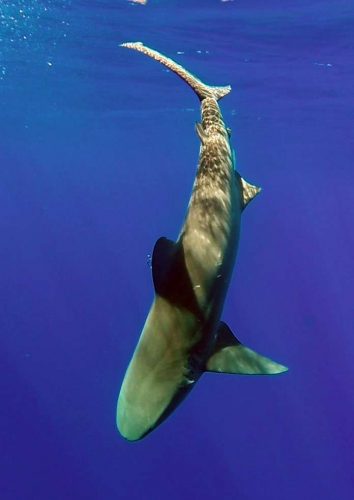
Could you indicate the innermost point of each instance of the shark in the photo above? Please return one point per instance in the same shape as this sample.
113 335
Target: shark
184 336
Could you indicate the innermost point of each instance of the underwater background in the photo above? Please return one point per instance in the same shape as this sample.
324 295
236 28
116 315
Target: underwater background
98 154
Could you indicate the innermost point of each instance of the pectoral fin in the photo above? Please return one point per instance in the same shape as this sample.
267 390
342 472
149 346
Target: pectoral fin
230 356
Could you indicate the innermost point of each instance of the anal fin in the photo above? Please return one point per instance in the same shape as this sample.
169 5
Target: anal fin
249 191
230 356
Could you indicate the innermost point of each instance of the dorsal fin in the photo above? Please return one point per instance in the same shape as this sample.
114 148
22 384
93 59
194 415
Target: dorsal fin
163 257
201 89
171 278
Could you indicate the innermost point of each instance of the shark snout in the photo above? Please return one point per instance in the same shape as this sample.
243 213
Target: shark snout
131 421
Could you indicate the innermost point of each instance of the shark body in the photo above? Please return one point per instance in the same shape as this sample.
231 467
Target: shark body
183 336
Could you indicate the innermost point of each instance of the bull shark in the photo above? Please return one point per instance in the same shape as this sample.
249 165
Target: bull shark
183 336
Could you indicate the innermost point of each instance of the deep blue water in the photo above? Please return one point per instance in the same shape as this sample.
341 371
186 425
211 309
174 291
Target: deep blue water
98 155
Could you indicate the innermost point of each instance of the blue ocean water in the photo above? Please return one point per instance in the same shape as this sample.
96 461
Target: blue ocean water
97 158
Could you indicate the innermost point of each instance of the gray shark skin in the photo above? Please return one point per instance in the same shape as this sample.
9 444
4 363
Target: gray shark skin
183 336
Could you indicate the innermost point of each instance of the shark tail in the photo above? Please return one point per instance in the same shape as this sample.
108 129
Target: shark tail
201 89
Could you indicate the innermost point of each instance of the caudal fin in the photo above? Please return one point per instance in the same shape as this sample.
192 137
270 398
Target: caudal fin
201 89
